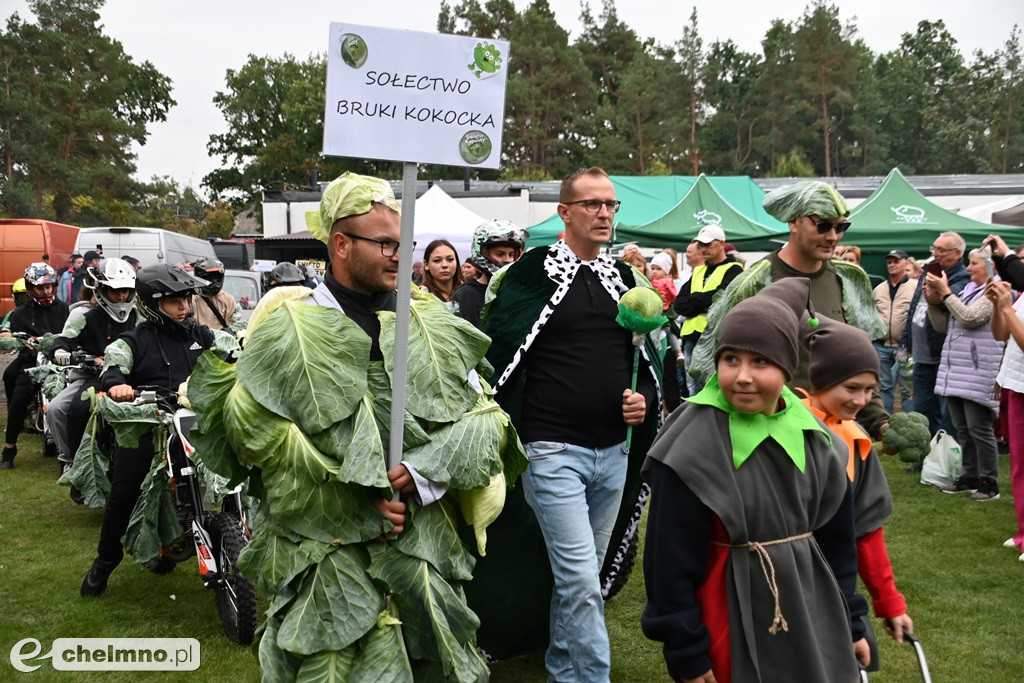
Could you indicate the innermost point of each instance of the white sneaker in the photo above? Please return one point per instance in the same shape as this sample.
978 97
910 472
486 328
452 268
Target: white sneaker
1021 558
1009 543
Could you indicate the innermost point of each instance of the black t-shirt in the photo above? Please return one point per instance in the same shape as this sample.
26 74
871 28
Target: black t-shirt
469 300
577 369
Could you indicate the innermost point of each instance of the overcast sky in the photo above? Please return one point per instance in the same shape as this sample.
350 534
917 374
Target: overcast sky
194 43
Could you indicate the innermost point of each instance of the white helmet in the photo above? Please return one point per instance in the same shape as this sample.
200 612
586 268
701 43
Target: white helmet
114 273
495 233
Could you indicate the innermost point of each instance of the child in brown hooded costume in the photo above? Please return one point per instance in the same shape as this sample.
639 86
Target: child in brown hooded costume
844 370
750 564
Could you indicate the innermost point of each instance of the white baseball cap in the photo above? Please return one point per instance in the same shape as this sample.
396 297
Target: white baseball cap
710 233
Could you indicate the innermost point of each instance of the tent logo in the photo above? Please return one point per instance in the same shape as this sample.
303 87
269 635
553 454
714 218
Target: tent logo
908 214
706 217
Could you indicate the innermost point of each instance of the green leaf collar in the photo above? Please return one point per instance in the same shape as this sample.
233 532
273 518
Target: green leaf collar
748 430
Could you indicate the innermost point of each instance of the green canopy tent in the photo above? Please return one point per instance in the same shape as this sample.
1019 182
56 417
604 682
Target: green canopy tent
643 198
741 216
896 216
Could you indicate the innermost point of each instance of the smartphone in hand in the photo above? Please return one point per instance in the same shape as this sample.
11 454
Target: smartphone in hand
934 267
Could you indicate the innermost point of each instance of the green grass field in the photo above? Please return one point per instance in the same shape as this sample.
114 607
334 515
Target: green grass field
964 589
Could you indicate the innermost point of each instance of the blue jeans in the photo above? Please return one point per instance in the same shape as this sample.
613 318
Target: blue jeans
927 402
575 492
891 377
692 385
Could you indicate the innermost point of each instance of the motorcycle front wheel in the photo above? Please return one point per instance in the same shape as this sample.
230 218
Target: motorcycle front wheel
236 596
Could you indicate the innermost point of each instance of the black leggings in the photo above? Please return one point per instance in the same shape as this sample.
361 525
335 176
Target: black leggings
18 387
130 468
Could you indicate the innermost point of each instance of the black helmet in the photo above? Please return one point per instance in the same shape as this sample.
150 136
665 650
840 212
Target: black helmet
154 283
285 274
212 270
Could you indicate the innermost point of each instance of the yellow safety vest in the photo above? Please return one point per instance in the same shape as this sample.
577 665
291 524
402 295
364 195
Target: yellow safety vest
698 323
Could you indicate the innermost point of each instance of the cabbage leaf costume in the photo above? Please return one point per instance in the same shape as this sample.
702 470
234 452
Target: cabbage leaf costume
304 417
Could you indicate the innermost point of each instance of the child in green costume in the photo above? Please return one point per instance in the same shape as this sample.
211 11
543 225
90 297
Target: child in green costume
750 564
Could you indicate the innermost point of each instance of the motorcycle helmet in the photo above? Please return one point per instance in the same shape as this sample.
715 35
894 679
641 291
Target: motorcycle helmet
154 283
19 293
41 274
111 274
212 270
495 233
285 274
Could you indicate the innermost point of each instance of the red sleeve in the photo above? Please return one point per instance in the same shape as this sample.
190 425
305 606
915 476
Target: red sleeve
875 569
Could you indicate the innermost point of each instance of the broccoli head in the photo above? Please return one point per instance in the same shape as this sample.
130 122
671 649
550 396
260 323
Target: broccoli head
908 435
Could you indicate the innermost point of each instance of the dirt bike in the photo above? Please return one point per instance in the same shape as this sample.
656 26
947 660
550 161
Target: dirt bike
214 538
36 413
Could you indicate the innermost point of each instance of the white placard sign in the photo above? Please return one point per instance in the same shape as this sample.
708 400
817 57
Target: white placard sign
413 96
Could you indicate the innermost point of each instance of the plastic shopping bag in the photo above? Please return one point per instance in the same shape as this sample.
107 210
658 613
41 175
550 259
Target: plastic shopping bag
944 461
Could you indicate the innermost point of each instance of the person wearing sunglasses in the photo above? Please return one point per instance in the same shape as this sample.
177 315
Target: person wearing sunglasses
817 217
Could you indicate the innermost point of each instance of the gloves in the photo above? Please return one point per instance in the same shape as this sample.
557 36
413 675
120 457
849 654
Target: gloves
62 357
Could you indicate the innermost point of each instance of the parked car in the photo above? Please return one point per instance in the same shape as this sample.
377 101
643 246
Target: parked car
235 254
150 245
247 288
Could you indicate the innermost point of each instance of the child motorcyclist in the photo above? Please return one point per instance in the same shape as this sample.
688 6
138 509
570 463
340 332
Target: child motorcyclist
214 308
44 313
113 282
161 351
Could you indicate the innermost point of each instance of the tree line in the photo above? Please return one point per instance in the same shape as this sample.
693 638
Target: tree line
815 100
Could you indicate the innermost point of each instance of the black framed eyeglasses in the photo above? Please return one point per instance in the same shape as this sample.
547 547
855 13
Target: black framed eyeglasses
594 205
387 247
825 226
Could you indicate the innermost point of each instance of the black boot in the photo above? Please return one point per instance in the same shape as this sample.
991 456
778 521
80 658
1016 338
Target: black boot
161 564
8 458
95 581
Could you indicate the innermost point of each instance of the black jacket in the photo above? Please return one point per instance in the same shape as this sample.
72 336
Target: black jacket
158 357
99 331
36 320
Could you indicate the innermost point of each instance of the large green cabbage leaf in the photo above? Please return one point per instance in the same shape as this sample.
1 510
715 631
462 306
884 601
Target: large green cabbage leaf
435 617
208 389
382 654
306 363
154 521
431 534
336 604
254 432
130 422
443 348
329 667
304 494
88 473
274 556
277 665
467 453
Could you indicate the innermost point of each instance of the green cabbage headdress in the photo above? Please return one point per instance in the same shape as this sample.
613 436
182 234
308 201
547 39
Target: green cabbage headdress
806 198
349 194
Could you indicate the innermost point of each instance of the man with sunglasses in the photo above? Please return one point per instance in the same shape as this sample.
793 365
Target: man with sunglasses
817 219
562 368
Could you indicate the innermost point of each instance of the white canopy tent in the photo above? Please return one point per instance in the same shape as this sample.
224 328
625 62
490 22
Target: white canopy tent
438 216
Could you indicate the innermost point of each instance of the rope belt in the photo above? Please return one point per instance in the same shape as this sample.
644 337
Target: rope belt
769 573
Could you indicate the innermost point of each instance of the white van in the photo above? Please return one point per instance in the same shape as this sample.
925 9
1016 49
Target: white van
150 245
